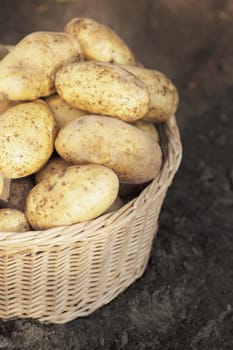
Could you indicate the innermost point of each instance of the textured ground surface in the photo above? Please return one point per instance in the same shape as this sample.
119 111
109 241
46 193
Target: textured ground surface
184 300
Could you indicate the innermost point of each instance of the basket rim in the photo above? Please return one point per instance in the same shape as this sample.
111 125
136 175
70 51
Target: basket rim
99 227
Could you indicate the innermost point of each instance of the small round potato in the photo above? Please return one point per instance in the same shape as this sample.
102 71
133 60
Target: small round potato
27 71
148 128
54 165
128 151
163 94
74 194
103 88
63 112
99 42
27 133
13 220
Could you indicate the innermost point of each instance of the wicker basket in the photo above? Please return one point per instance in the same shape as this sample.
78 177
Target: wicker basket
60 274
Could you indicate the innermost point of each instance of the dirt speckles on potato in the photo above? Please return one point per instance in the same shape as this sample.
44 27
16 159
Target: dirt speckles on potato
54 164
13 220
27 133
72 195
163 94
134 156
99 42
103 88
27 72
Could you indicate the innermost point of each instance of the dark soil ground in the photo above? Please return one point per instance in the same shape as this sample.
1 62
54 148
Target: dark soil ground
184 300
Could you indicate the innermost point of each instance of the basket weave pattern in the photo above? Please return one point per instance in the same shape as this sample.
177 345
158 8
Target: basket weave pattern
60 274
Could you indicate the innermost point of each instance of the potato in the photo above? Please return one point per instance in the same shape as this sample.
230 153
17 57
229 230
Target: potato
54 164
163 94
135 157
102 88
74 194
27 71
148 128
13 220
63 112
27 133
99 42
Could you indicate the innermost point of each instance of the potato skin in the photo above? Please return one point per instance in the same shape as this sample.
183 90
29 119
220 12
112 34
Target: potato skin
103 88
27 71
74 194
13 220
54 164
62 111
135 157
148 128
99 42
27 133
163 94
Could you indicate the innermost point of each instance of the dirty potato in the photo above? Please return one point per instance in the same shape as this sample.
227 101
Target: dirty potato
54 165
62 111
13 220
163 94
74 194
27 133
99 42
103 88
135 157
27 71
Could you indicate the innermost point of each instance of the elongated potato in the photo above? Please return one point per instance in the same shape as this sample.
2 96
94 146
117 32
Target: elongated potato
99 42
163 94
13 220
74 194
148 128
27 133
27 72
55 164
128 151
103 88
62 111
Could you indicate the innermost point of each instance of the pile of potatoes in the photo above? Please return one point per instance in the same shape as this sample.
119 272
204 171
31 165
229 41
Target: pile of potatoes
78 119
